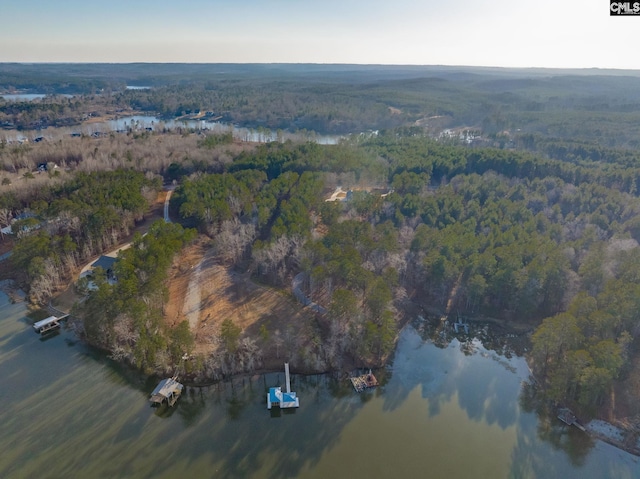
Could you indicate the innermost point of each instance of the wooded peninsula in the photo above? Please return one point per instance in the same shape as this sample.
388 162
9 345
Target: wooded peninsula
495 195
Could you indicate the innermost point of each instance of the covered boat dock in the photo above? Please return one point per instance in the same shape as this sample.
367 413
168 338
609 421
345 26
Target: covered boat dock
48 324
288 399
167 390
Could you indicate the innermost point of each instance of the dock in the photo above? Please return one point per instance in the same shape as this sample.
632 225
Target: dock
567 417
365 381
49 324
460 325
288 399
168 390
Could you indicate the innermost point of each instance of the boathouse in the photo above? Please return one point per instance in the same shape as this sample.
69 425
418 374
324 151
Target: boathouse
48 324
168 390
275 396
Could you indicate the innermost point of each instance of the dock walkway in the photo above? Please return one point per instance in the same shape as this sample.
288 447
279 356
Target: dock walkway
567 417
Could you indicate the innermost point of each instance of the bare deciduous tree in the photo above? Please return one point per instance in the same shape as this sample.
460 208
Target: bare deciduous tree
233 240
5 219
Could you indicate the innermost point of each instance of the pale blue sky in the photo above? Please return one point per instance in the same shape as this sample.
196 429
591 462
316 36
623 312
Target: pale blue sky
515 33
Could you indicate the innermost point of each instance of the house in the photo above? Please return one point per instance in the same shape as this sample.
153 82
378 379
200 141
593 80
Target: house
107 263
22 224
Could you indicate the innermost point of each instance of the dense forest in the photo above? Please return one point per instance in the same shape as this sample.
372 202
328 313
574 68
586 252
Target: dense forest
477 232
535 224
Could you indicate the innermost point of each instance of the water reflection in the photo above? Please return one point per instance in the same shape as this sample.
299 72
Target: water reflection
575 443
143 123
442 374
68 411
54 333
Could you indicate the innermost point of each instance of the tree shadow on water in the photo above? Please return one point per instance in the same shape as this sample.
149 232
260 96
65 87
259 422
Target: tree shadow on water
532 456
242 437
191 404
484 383
540 428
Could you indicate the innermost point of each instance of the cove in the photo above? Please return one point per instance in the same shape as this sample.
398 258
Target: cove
454 411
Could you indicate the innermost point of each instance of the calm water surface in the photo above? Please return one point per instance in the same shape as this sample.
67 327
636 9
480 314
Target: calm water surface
140 123
29 96
452 412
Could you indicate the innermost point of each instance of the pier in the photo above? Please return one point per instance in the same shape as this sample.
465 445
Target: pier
460 325
365 381
288 399
567 417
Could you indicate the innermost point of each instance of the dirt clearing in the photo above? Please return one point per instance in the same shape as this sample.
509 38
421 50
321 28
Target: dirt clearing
205 293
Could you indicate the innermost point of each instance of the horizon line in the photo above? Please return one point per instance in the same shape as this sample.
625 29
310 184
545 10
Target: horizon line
404 65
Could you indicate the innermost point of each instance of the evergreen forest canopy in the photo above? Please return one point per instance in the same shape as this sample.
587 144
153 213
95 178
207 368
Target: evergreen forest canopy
505 234
543 227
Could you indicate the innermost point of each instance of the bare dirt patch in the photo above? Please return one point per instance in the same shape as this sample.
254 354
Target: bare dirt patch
227 294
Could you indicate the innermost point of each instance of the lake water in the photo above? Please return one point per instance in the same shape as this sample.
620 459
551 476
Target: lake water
245 134
28 96
452 412
140 123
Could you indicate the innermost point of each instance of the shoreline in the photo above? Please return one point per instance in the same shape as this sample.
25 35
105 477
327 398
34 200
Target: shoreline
615 436
597 429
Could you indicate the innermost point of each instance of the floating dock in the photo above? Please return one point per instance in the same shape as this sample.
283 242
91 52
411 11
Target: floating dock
459 327
567 417
288 399
366 381
48 324
168 390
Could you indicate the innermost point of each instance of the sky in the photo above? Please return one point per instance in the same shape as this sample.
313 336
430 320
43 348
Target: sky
515 33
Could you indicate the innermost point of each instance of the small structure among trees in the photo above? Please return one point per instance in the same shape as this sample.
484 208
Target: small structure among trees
107 263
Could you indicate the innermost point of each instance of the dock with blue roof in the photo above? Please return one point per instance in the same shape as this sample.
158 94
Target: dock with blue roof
276 397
